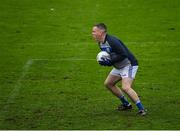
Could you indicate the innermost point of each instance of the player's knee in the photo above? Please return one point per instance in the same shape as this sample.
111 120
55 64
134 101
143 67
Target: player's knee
108 84
126 88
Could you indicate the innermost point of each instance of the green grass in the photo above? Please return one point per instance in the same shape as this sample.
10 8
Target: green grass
40 90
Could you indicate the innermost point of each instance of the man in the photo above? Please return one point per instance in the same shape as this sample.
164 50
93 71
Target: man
125 67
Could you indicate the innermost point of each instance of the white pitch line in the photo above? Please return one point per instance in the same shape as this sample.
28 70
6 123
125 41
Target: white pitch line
16 89
90 59
79 43
161 59
65 59
28 64
18 85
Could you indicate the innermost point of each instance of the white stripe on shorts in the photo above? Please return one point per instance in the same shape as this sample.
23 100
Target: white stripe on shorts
130 71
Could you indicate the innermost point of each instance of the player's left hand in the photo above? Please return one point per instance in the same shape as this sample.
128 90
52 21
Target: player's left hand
105 62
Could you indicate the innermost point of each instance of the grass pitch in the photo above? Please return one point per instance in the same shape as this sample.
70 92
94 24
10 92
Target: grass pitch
49 78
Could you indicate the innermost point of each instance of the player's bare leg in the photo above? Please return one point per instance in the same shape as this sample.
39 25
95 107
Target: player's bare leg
110 83
127 88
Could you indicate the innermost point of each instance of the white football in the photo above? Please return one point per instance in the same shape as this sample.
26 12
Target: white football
102 54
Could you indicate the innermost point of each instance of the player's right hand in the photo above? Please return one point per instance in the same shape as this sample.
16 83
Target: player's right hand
105 62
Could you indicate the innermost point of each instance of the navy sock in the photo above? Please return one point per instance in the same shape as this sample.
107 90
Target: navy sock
139 105
124 100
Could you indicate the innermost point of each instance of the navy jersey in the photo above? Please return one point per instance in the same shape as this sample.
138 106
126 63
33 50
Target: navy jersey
117 50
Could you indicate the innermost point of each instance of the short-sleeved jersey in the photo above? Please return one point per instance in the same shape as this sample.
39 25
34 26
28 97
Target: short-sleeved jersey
118 51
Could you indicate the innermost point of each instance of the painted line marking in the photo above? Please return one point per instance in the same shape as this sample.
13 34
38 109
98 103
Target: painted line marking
14 93
90 59
18 85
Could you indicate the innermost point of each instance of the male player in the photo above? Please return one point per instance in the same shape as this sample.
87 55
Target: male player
125 67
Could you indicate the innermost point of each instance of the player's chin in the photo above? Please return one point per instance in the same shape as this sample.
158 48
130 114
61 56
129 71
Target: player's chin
96 39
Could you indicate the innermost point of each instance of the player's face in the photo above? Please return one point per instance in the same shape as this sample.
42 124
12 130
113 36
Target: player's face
97 34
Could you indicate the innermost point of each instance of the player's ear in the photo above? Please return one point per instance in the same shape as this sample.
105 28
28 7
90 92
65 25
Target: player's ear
101 32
